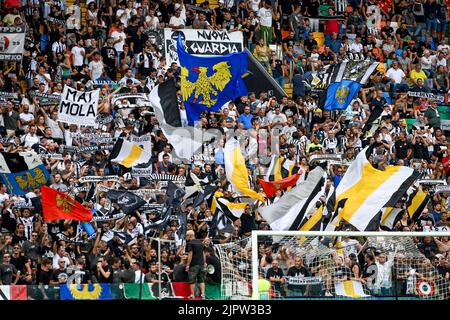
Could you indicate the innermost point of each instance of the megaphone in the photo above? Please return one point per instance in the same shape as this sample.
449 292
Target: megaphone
210 269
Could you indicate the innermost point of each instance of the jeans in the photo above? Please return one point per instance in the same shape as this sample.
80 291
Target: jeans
327 38
420 27
280 81
403 87
431 24
441 25
299 33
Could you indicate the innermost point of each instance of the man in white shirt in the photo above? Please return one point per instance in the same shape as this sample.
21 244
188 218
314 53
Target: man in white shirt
397 76
255 4
277 120
25 117
119 37
122 13
78 54
31 138
356 46
54 124
96 67
426 62
441 60
265 15
383 280
166 150
444 47
129 76
176 21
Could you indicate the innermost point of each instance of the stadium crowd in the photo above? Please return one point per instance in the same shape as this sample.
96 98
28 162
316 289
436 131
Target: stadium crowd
111 44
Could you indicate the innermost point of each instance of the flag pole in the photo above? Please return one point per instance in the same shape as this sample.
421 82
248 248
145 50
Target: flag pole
141 265
159 267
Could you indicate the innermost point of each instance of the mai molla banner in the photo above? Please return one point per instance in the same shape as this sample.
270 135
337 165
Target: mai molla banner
78 107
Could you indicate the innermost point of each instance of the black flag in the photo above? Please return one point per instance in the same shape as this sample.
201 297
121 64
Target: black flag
174 195
205 195
126 200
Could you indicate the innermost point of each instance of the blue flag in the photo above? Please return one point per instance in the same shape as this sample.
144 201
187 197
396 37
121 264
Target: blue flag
21 183
207 83
93 291
340 94
87 226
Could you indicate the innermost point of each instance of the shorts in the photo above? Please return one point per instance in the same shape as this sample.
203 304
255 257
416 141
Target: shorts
196 274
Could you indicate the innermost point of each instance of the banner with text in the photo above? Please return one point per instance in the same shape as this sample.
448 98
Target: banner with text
12 40
78 107
202 42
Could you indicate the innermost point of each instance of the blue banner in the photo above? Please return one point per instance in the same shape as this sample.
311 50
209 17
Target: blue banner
207 83
21 183
340 94
93 291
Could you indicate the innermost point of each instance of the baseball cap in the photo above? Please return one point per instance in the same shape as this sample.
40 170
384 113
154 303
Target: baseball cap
230 120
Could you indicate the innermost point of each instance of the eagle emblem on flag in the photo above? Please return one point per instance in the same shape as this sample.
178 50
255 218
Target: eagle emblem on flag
28 181
342 93
64 203
205 88
86 291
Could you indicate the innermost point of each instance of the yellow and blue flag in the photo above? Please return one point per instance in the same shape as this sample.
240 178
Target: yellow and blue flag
22 172
207 83
345 81
93 291
340 94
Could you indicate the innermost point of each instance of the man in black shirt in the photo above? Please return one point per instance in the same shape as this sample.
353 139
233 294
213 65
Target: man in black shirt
297 271
387 31
247 222
7 271
327 56
116 271
289 40
428 247
19 235
104 271
110 56
403 149
310 43
59 275
276 277
179 271
45 273
195 264
370 270
420 148
127 275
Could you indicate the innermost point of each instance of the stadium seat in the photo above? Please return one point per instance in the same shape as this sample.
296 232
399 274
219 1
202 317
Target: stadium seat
320 38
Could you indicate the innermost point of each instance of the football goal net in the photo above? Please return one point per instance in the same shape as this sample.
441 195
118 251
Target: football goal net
337 265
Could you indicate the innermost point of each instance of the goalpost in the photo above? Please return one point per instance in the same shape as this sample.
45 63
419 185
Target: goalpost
402 265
